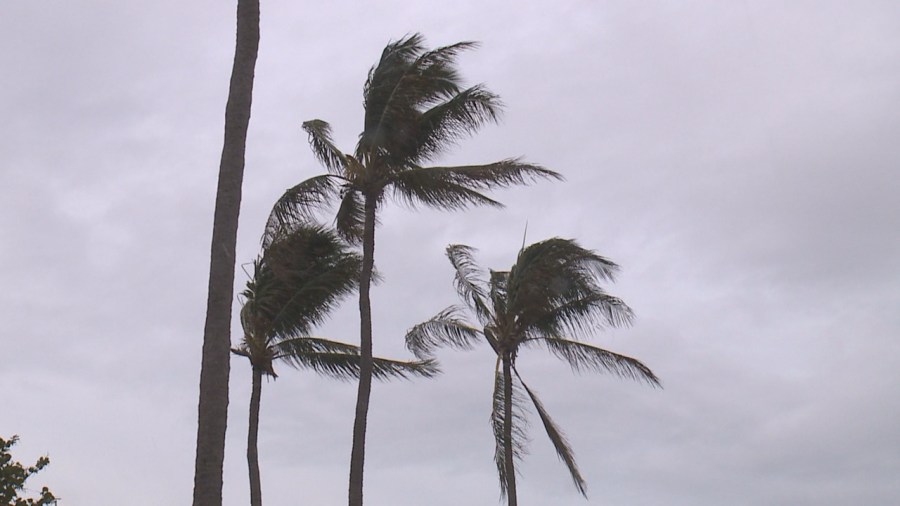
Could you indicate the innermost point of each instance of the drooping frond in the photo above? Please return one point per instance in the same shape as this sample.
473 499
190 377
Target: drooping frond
519 426
298 205
563 449
469 284
582 356
498 293
323 146
447 328
341 360
350 217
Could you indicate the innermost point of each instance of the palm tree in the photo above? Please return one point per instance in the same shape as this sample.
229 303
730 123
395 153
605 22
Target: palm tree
551 292
214 369
415 108
295 284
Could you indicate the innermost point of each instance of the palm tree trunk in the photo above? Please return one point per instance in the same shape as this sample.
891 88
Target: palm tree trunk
252 440
512 500
358 452
214 369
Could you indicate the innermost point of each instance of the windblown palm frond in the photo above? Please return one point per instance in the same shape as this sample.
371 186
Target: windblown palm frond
577 315
469 284
299 204
418 186
509 172
349 220
460 187
519 436
452 120
341 361
560 444
581 356
446 328
323 146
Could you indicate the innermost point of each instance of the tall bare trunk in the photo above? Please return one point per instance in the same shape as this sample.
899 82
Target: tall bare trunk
214 369
358 452
253 438
512 500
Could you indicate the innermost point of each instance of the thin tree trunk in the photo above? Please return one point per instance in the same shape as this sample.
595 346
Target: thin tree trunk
512 500
213 405
358 452
252 440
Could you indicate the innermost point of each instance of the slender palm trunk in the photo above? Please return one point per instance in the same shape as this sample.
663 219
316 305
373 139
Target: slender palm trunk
214 369
358 452
512 500
253 438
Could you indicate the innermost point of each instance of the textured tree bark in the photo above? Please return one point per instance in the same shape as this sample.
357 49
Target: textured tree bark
512 500
214 369
253 439
358 452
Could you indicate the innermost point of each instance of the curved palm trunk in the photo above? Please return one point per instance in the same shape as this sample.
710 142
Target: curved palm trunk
214 369
358 452
252 440
512 499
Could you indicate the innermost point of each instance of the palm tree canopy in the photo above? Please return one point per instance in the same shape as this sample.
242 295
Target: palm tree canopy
295 284
416 106
552 297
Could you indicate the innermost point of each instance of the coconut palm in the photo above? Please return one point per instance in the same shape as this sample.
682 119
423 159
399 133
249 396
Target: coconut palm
212 411
295 284
415 108
551 297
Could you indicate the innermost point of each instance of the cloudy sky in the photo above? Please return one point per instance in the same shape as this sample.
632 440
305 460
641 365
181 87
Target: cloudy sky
738 159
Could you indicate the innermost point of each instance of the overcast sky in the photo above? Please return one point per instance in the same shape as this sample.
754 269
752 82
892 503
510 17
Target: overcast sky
738 159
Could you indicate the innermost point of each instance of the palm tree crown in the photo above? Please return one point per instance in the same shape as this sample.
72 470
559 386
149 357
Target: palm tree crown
551 297
415 108
295 285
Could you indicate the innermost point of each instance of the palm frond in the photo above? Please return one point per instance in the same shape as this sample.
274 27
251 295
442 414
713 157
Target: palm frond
469 284
445 123
323 146
446 328
582 356
499 293
519 426
578 315
501 174
341 360
563 449
298 205
350 217
419 186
